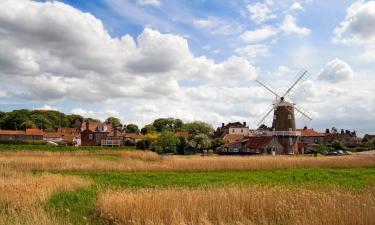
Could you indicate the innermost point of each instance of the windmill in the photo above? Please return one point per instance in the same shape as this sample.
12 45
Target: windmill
284 123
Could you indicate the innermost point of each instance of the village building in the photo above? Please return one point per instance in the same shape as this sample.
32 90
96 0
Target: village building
25 135
100 134
346 137
252 145
309 138
368 137
133 137
231 138
237 128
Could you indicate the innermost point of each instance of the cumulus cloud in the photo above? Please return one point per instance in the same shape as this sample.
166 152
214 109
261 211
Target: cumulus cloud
357 26
258 35
149 2
296 6
251 52
289 26
260 12
47 58
336 71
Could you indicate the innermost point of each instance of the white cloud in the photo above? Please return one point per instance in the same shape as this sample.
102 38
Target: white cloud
289 26
218 26
336 71
47 59
259 35
149 2
260 12
296 6
357 27
284 71
48 107
251 52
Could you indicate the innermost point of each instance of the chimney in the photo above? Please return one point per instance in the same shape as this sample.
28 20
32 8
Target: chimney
305 127
244 124
342 131
327 131
222 124
87 125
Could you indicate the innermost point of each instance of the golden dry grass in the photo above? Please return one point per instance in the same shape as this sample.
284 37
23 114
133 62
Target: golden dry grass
22 194
149 161
22 189
241 205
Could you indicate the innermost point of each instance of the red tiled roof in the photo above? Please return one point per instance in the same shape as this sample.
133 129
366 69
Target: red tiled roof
12 132
309 133
184 134
68 130
258 142
52 135
34 132
233 137
133 136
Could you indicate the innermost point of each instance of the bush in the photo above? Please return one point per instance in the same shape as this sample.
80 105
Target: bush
22 142
129 143
142 145
66 143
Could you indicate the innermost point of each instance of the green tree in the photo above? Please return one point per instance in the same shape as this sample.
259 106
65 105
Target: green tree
42 122
28 124
167 141
13 120
148 129
200 141
2 114
116 122
168 124
337 145
131 128
217 142
199 127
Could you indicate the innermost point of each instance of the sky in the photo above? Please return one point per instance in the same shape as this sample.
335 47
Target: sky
190 59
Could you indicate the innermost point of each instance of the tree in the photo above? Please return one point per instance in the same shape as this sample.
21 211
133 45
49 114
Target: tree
148 129
167 141
168 124
217 142
200 141
28 124
199 127
337 145
2 114
116 122
41 122
131 128
152 137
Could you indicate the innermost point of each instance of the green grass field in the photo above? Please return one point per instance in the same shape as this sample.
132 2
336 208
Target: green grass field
79 205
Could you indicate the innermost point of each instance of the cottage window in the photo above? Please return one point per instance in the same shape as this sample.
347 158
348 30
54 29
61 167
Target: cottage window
290 129
90 136
241 130
232 130
316 141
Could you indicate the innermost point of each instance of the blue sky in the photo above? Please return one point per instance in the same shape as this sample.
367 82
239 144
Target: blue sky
197 59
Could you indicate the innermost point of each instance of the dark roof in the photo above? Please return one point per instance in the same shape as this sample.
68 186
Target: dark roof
258 142
234 125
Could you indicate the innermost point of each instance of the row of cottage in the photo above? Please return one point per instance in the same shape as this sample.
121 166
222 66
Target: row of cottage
90 134
241 140
237 136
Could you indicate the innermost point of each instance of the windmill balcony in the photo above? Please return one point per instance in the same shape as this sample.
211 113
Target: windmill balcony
285 133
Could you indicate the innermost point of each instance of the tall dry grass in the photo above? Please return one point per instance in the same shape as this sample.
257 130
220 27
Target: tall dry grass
244 205
149 161
22 189
22 195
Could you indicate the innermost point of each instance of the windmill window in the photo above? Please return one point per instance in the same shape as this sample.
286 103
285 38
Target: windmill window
290 129
289 116
274 117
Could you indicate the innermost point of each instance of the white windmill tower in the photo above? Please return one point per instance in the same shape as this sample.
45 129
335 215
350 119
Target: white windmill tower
284 123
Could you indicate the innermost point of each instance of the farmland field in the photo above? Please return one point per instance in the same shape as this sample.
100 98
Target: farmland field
139 187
